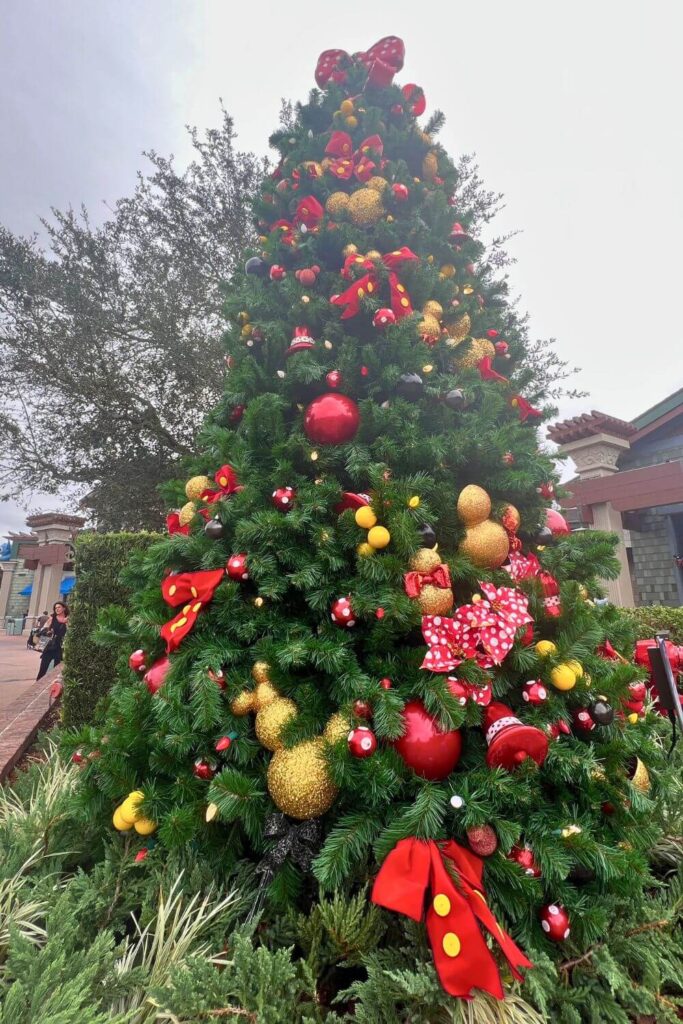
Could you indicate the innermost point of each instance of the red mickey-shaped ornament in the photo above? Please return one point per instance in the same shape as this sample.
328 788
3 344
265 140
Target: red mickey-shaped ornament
362 709
384 317
283 497
557 729
237 567
502 349
362 741
401 192
524 856
415 97
204 769
582 720
218 678
555 922
277 272
534 692
138 661
333 378
155 676
342 613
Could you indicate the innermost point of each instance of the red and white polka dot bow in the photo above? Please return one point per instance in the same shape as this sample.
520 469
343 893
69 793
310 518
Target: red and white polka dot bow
523 567
451 642
501 615
382 60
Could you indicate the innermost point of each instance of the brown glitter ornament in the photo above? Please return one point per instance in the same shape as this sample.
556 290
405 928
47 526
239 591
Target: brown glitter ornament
474 505
477 350
299 782
186 513
195 485
365 207
458 330
271 719
486 544
429 329
483 840
337 204
377 183
433 308
430 166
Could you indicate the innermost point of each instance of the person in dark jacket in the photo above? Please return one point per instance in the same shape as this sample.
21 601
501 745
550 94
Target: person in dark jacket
56 627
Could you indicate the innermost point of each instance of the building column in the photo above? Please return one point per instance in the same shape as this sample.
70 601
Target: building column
6 574
620 590
34 608
52 578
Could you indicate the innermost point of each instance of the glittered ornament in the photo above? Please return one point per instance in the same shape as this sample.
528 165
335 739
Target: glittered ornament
429 750
478 349
299 782
365 207
337 204
196 485
378 183
237 567
524 856
639 776
458 330
384 317
342 613
331 419
362 742
555 922
429 330
474 505
187 513
429 583
483 840
410 386
486 545
271 719
283 498
433 308
214 529
138 661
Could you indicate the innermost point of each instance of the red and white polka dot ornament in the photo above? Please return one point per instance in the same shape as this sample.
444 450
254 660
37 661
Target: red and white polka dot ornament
138 661
582 720
534 692
362 741
524 856
384 317
342 613
555 922
283 498
237 567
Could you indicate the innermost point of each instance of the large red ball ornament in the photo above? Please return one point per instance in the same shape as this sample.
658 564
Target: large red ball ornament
362 741
555 922
237 567
556 522
342 613
138 661
155 677
331 419
430 751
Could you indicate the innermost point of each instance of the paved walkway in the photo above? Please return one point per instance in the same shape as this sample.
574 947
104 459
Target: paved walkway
24 704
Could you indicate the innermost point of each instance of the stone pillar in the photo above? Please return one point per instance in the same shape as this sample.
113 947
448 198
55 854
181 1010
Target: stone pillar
620 590
34 606
6 574
52 578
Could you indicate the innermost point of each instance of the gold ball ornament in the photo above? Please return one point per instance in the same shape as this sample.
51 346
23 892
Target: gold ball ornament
299 781
272 719
425 559
377 183
246 331
563 677
447 270
429 329
242 704
435 600
365 207
365 517
351 121
433 308
365 550
346 107
337 204
640 777
430 166
458 330
195 485
260 672
120 823
487 545
474 505
350 249
145 826
576 667
265 693
378 537
478 349
186 513
545 648
337 728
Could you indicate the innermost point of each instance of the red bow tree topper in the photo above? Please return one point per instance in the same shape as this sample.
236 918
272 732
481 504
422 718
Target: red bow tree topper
382 60
415 869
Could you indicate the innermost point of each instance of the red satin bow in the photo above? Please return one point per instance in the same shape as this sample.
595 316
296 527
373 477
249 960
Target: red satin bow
226 478
173 524
349 163
382 60
413 582
194 590
525 409
486 371
366 285
463 961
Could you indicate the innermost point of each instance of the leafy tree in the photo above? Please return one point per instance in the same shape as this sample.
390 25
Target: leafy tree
110 336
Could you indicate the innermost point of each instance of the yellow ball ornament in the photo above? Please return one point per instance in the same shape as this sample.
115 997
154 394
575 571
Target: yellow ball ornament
365 207
474 505
545 648
447 270
576 667
563 677
145 826
365 517
128 810
337 204
195 486
365 550
378 537
414 502
271 720
299 781
477 350
120 822
346 107
351 121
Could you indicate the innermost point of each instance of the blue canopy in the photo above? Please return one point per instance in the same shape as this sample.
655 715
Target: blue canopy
26 591
65 587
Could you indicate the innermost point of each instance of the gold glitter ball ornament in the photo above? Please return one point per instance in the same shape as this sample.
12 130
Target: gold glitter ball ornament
435 600
299 781
458 330
186 513
474 505
337 204
377 183
430 166
195 485
271 720
429 329
374 255
478 349
350 249
365 207
433 308
487 545
424 560
242 704
365 550
337 728
447 270
261 672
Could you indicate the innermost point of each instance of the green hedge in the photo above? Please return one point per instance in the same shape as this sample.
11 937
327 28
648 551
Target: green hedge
655 618
89 670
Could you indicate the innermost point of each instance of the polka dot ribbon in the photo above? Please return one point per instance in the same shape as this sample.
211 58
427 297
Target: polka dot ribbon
382 60
192 590
525 567
367 285
348 163
415 869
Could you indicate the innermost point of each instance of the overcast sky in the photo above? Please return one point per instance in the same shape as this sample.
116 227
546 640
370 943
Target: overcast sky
573 110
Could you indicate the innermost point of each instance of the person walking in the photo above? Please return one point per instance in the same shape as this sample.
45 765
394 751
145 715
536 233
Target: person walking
56 628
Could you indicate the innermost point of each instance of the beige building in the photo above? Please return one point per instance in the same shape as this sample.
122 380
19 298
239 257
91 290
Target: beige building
37 564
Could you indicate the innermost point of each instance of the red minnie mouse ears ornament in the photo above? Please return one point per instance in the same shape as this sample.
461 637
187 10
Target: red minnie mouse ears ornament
510 741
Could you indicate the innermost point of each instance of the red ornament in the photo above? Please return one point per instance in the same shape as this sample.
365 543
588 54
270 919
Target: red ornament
350 499
527 637
362 709
342 613
379 613
141 855
509 459
333 378
283 498
138 661
301 341
362 741
555 922
224 743
155 676
557 729
492 333
458 234
364 371
524 856
552 601
429 750
464 691
416 98
534 692
556 522
401 192
306 277
510 742
385 683
384 317
204 769
237 567
77 757
483 840
277 272
396 109
218 678
582 720
331 419
236 414
547 490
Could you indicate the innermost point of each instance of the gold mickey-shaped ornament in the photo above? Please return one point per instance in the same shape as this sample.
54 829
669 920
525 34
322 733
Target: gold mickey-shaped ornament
378 183
477 350
429 329
430 166
458 330
196 485
486 543
431 599
186 513
337 205
365 207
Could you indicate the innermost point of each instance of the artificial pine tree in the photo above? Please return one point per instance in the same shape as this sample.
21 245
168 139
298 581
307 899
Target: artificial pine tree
367 655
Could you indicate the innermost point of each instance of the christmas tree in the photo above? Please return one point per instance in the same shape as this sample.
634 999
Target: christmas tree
367 660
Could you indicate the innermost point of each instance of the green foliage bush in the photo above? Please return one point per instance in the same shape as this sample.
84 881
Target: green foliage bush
655 618
89 670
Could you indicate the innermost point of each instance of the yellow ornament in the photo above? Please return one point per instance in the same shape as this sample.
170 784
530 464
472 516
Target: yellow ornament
545 648
365 207
433 308
474 505
640 777
337 728
260 672
430 166
374 255
186 513
247 330
487 545
350 249
425 560
271 719
414 502
242 704
128 810
432 600
243 317
458 330
365 517
195 486
346 107
477 350
429 329
563 677
378 537
299 782
365 550
351 121
377 183
447 270
145 826
632 719
337 204
576 667
120 822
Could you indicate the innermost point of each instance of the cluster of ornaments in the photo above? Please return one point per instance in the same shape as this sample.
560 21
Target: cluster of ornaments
127 815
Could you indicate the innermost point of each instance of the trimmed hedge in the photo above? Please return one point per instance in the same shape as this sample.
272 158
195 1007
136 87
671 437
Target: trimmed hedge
89 671
655 618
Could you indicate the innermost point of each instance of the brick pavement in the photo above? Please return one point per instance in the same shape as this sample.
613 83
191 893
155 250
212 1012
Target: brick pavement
24 704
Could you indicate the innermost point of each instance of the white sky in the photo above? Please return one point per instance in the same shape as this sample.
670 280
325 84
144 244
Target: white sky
573 110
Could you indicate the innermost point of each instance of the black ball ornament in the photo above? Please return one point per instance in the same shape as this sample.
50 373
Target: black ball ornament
428 536
544 536
255 265
455 399
214 529
410 386
601 712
